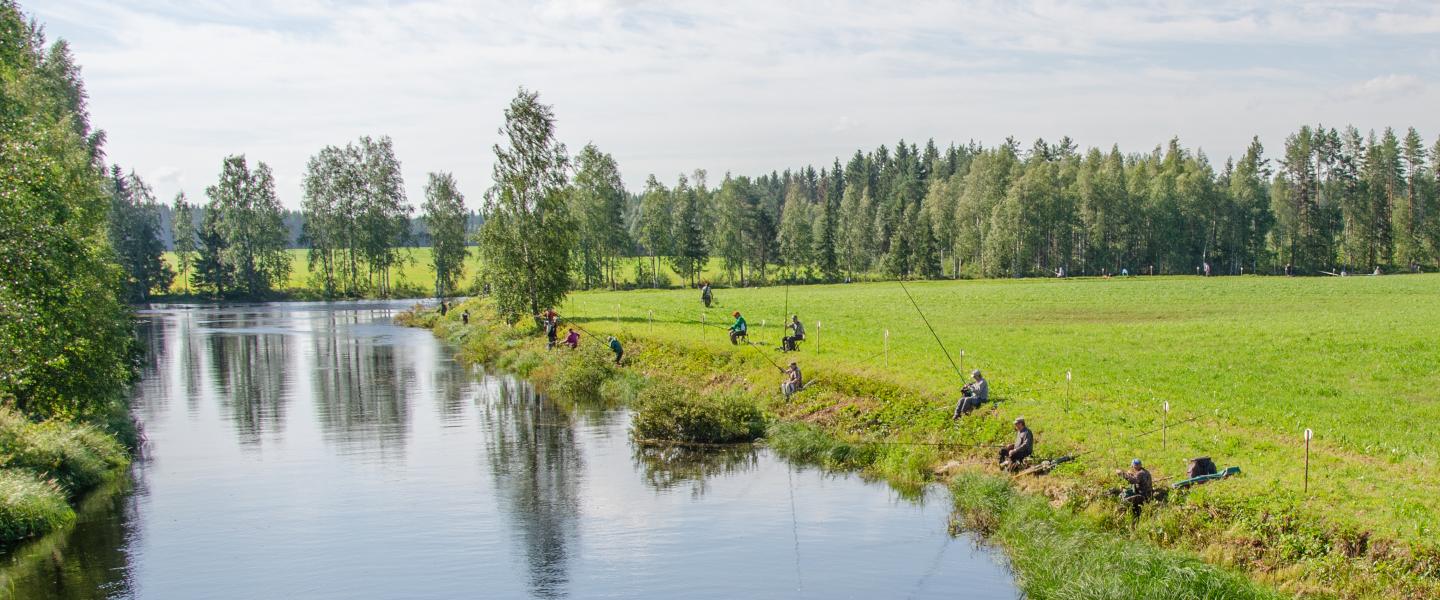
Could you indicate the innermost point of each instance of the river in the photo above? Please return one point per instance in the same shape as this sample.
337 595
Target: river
308 450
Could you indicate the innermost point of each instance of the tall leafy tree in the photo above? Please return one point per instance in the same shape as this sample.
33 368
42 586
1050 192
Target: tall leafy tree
656 225
66 345
249 219
795 230
525 244
182 222
445 216
597 205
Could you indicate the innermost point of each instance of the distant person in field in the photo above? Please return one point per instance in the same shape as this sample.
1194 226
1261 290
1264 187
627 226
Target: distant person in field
572 339
1124 272
794 381
1011 455
465 318
1377 270
1207 268
797 334
443 309
738 329
1289 270
974 394
617 349
705 294
1141 487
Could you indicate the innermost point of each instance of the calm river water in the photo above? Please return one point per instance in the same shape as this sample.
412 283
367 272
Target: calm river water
302 450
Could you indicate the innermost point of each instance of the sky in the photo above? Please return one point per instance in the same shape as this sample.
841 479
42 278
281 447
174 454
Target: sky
735 86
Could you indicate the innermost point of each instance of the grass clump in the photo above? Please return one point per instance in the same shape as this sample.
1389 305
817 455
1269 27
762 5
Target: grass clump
77 457
667 413
30 506
577 374
1059 554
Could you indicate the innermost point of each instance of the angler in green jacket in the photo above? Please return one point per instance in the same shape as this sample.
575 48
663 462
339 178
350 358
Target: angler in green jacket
739 329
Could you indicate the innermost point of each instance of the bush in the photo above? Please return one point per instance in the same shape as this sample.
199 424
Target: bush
669 413
30 506
581 372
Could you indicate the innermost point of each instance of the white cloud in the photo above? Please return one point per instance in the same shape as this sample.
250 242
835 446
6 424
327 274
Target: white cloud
738 86
1385 87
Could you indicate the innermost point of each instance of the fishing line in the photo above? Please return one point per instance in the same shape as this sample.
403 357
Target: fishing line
794 526
932 330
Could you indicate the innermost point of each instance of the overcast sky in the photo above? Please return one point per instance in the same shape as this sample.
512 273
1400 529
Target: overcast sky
738 86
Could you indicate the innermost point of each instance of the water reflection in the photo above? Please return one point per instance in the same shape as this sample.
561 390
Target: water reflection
668 467
317 451
537 469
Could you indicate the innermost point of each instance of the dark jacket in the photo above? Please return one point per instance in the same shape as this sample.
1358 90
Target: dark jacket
1024 441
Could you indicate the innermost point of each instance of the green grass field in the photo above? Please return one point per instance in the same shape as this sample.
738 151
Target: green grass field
1256 359
415 273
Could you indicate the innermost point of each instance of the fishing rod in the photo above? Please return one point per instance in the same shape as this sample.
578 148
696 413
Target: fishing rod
1163 428
932 330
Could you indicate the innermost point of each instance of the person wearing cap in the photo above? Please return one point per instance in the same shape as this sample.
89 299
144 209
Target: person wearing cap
794 381
738 329
1142 487
1011 455
705 294
797 335
974 394
617 349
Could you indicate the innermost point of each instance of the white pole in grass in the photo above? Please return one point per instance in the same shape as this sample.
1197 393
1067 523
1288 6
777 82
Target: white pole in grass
817 337
962 361
1165 427
887 348
652 322
1308 435
1067 390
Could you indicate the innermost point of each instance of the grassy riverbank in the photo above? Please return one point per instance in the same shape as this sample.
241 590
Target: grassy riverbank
45 467
1252 360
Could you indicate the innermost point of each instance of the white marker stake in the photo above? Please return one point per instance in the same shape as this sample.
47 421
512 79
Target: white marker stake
1067 390
1308 435
817 337
962 361
887 348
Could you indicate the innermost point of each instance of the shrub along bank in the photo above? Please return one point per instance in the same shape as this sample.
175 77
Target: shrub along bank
687 395
44 467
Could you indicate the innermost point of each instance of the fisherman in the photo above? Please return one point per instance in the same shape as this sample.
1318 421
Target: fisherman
550 321
738 329
798 335
572 339
1377 270
705 295
1141 488
617 349
465 317
794 381
1011 455
974 394
1207 268
443 309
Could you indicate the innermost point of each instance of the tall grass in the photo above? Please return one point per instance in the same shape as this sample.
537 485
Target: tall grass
30 506
1058 555
667 413
44 465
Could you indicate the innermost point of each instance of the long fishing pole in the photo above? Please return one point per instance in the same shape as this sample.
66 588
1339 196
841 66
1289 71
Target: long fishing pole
932 330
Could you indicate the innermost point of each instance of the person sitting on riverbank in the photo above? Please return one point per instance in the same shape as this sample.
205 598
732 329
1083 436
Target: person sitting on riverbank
738 329
798 334
974 394
617 349
1012 455
794 381
572 339
1141 488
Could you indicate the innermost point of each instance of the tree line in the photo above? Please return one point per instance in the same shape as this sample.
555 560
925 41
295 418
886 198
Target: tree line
1334 200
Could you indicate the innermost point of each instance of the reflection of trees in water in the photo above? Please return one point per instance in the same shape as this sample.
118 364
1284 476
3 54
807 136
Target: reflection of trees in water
537 467
452 380
667 467
250 368
72 564
360 391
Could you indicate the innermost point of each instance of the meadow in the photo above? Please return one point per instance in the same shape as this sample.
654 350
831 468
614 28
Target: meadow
1246 364
415 277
